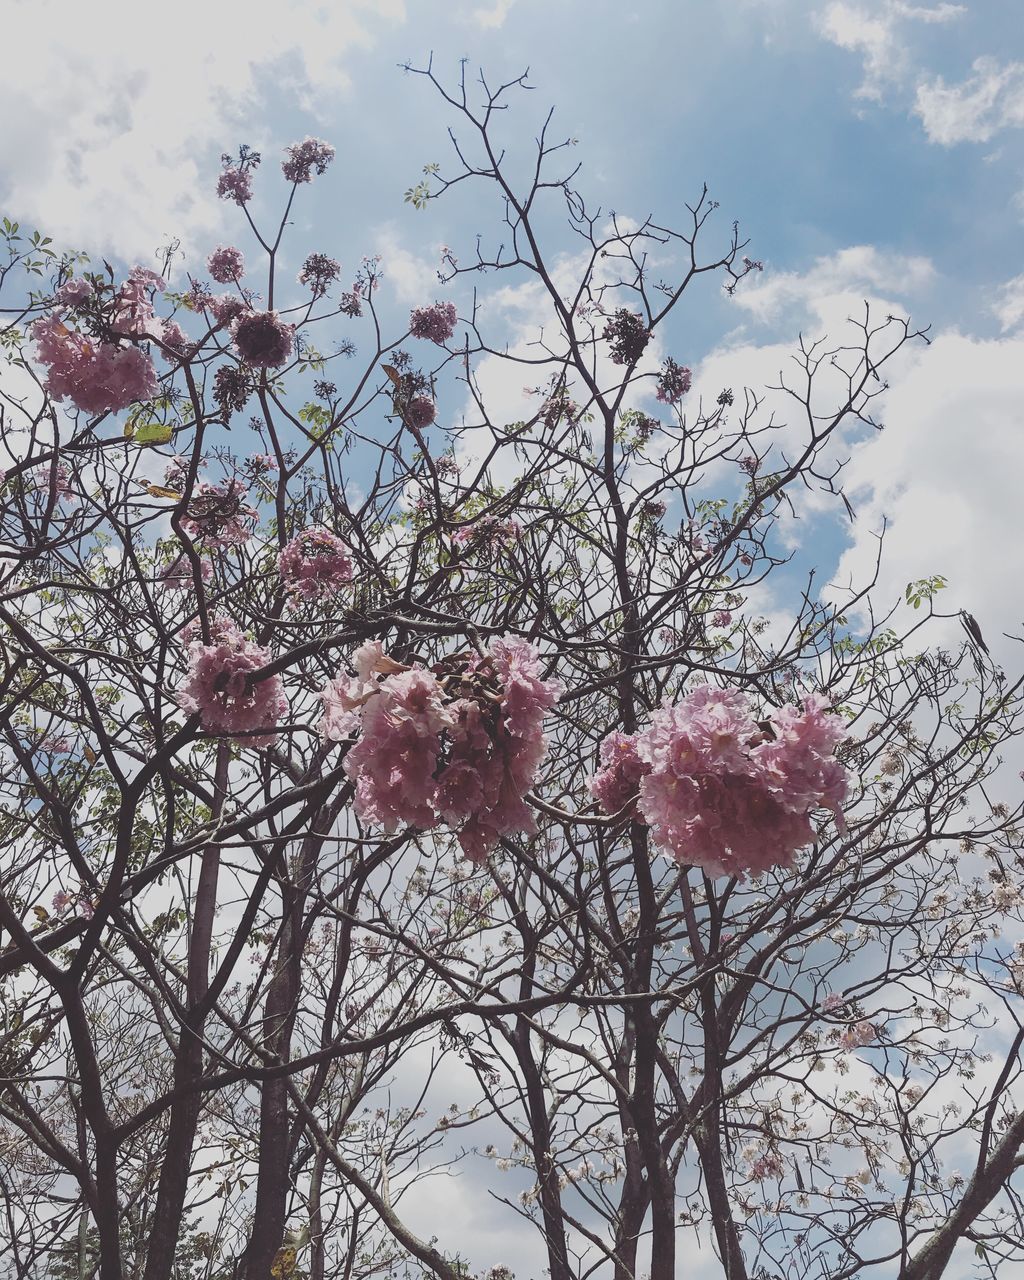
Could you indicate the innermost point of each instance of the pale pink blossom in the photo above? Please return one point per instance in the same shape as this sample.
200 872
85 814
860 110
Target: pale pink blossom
263 339
235 184
303 158
721 792
74 292
97 377
179 575
618 780
858 1034
315 564
436 323
224 307
226 264
221 687
218 515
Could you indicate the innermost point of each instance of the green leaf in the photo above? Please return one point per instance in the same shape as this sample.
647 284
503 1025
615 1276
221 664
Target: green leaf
153 433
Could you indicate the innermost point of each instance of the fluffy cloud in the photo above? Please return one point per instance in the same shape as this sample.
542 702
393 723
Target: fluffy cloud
975 110
875 32
110 127
945 479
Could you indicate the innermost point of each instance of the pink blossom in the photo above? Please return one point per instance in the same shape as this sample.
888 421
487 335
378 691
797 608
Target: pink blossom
218 515
62 900
720 792
436 323
174 335
832 1002
221 688
318 273
224 307
305 157
857 1035
489 529
226 264
74 292
673 382
721 618
486 782
393 762
55 744
494 735
98 377
263 339
315 564
420 412
618 780
235 184
56 476
179 575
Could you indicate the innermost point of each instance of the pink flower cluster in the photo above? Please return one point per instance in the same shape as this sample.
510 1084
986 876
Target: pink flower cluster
491 530
315 564
97 377
304 157
263 339
318 273
463 748
420 412
857 1035
226 264
220 686
74 292
224 307
235 184
721 791
218 515
673 382
178 575
436 323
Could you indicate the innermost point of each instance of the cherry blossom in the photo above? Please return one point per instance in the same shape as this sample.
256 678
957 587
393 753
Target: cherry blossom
220 686
316 563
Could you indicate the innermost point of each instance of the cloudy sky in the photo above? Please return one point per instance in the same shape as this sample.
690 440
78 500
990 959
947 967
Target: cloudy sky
869 148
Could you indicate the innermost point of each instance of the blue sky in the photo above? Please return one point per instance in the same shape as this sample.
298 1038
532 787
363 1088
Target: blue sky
868 148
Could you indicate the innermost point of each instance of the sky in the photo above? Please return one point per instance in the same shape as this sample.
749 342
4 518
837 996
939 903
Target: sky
870 150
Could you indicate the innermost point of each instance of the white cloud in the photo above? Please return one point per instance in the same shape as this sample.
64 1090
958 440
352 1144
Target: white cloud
112 122
875 32
945 476
976 109
412 279
834 283
1010 305
490 18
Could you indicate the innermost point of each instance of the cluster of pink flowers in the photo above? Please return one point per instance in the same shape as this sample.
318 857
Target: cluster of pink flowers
226 264
673 382
235 183
315 564
318 273
178 575
490 530
767 1165
721 791
97 377
420 412
628 336
489 716
436 323
218 515
305 157
224 307
55 476
263 339
220 686
74 292
97 373
857 1035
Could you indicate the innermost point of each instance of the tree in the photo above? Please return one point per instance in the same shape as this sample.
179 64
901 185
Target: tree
360 741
